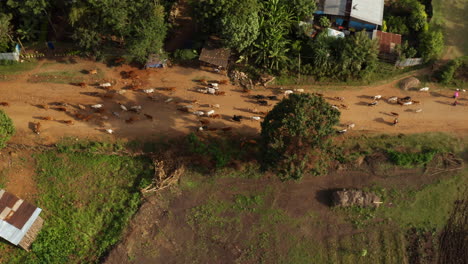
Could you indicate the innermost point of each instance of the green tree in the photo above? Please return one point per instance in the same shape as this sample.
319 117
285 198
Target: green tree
31 14
5 31
324 22
358 57
431 44
240 24
296 133
302 9
271 47
7 128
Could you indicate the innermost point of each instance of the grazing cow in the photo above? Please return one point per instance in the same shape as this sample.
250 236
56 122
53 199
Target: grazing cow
82 84
210 112
48 118
204 122
168 100
338 98
97 106
37 128
288 92
424 89
214 105
350 126
215 116
132 119
150 117
342 131
220 93
61 109
392 99
4 104
82 107
237 118
105 85
93 71
299 90
223 82
377 97
123 107
255 118
418 110
198 113
148 91
68 122
394 114
109 131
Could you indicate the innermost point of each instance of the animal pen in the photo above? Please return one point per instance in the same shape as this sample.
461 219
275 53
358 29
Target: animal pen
19 220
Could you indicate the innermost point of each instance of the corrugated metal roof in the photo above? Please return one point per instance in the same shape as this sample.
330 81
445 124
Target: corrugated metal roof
215 56
387 41
368 10
16 217
334 7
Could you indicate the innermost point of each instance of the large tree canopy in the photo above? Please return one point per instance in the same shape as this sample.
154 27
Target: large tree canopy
295 133
5 30
240 25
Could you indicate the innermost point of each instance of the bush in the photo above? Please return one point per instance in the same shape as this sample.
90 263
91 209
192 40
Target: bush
324 22
448 72
410 159
296 136
185 54
431 44
7 128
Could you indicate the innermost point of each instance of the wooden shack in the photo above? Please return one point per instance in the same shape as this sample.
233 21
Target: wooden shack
19 220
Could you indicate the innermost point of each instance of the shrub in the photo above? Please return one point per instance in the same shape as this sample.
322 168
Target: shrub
410 159
431 44
185 54
7 128
324 22
296 136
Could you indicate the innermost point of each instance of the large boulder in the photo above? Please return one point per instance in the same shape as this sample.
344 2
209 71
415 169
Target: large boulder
345 198
409 83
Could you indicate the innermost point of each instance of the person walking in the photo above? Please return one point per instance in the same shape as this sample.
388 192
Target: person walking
456 94
395 121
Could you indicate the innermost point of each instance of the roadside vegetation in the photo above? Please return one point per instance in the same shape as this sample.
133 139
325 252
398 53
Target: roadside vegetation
87 199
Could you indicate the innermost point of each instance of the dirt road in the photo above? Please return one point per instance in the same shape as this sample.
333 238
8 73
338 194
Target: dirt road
24 93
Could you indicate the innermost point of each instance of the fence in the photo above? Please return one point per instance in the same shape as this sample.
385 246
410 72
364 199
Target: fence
409 62
10 56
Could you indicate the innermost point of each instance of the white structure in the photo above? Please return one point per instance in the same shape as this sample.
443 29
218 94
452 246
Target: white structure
19 220
15 55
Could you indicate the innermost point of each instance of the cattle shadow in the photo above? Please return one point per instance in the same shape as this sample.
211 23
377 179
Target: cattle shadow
387 114
325 196
437 94
444 102
381 120
363 103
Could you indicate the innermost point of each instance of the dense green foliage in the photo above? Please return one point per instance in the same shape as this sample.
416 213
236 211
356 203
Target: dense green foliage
324 22
448 73
296 133
411 159
7 128
5 31
354 56
431 44
87 200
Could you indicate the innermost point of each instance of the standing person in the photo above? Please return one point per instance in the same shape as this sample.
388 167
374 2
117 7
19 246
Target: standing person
456 94
395 121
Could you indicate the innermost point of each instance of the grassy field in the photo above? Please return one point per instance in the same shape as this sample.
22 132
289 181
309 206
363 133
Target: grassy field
451 15
87 200
16 68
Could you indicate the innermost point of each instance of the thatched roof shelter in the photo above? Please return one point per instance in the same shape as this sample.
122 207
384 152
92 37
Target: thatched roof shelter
19 220
213 54
345 198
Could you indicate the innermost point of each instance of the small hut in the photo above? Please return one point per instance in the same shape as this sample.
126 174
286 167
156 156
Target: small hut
19 220
215 55
345 198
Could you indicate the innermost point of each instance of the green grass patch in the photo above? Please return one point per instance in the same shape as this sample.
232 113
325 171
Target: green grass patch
452 19
87 200
17 68
411 159
427 208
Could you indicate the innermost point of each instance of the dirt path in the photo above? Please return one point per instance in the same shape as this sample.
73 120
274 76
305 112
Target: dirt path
437 113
